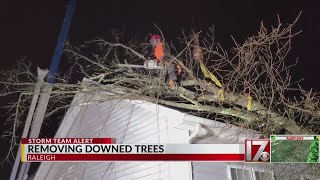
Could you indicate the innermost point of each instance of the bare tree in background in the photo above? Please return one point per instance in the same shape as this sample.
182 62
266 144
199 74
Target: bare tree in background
255 75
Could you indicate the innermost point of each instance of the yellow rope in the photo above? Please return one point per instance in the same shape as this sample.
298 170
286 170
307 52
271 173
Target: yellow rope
249 105
208 74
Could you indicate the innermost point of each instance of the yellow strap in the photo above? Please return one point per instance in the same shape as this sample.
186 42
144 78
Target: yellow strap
249 103
208 74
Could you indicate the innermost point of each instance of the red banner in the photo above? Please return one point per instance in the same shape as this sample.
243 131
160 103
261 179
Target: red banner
135 157
68 140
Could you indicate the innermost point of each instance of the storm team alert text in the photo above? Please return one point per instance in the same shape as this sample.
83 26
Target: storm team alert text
92 148
60 140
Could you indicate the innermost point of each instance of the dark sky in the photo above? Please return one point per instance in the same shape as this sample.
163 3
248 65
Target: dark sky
30 28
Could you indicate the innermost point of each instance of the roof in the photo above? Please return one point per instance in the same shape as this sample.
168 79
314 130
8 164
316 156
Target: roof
92 115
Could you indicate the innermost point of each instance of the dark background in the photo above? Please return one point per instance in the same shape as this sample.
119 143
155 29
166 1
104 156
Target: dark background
31 28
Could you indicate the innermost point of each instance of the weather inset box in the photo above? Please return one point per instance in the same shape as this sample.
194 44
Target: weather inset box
295 148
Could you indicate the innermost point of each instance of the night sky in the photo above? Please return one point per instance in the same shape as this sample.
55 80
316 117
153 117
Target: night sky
31 28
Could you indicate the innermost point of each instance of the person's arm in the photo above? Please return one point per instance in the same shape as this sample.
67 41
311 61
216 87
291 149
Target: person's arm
150 52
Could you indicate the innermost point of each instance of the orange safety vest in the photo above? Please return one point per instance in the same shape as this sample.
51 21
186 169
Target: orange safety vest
159 51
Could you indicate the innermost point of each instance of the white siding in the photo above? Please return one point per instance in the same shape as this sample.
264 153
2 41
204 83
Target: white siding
127 122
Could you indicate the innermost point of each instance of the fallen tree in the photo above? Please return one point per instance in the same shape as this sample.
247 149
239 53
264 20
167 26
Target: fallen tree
257 89
255 73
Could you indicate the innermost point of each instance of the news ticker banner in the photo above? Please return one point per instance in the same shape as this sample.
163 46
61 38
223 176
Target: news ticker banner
106 149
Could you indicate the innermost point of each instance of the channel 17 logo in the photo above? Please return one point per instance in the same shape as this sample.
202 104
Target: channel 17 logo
257 150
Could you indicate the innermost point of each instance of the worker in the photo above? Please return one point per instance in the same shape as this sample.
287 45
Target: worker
197 51
160 49
162 57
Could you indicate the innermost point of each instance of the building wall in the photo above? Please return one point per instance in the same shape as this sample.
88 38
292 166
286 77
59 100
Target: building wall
128 122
